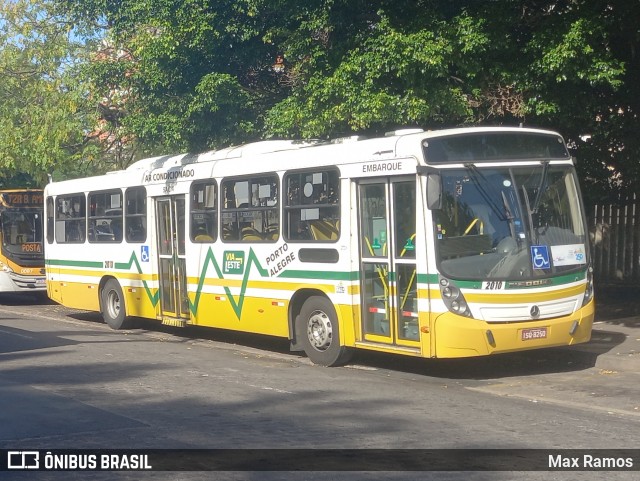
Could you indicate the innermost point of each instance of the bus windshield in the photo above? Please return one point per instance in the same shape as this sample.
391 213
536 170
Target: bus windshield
519 223
20 229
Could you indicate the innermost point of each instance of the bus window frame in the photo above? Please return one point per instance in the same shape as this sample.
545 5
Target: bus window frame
81 219
254 235
115 239
331 228
51 210
206 237
128 217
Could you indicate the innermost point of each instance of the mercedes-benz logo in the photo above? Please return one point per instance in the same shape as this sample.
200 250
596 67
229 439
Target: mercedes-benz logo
535 312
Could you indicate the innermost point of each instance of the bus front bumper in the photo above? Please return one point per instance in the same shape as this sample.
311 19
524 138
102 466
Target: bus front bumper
457 336
12 282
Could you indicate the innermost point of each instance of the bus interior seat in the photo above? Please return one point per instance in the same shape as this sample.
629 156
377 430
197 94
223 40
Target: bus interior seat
249 233
229 232
324 230
136 235
272 232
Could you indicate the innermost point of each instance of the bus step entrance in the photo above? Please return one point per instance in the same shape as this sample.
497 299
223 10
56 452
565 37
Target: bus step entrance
174 322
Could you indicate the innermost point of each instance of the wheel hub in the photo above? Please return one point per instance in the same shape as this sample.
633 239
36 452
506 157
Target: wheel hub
319 330
113 304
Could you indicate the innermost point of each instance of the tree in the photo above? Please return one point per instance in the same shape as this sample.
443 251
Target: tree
44 116
196 73
403 64
201 74
577 73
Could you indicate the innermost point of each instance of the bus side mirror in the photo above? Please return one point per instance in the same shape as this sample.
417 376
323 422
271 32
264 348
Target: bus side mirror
434 191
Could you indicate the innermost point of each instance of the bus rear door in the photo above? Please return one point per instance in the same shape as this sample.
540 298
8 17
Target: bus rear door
174 300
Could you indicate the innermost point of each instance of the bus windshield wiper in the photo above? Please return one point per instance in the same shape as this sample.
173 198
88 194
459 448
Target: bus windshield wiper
541 187
509 217
530 213
475 176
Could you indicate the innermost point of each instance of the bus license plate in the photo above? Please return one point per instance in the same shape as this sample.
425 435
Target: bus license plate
534 333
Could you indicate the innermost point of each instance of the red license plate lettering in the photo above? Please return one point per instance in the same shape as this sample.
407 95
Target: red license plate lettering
533 333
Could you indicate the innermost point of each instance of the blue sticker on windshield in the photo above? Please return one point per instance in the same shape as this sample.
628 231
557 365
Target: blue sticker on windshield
540 257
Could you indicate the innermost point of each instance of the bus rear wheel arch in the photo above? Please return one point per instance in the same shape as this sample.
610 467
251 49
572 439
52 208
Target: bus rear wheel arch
113 305
318 333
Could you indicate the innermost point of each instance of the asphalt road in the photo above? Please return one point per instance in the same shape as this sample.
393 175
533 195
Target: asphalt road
69 382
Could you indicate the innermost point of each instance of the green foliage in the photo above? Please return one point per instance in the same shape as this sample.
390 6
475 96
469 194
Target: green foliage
392 78
41 113
197 74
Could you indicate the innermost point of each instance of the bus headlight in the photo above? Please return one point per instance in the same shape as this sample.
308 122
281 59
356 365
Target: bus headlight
453 298
588 292
5 268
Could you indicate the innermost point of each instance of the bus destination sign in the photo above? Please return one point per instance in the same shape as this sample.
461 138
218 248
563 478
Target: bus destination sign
22 199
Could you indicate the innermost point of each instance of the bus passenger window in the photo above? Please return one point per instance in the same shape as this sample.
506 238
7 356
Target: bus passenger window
136 229
250 209
135 217
312 210
204 205
105 216
50 221
71 219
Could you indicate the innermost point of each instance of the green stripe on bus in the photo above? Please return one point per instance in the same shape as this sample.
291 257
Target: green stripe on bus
321 275
544 282
427 278
127 266
252 260
235 305
512 284
118 265
70 263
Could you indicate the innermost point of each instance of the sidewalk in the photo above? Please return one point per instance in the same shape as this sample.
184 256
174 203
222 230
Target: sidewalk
615 344
615 339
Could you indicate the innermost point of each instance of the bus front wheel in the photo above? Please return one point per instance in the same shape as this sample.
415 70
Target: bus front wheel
113 310
318 332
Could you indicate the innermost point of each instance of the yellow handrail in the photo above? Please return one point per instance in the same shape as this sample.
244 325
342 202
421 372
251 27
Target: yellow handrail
474 222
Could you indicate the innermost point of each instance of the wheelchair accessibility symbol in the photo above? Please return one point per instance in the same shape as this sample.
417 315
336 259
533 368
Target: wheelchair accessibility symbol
144 253
540 257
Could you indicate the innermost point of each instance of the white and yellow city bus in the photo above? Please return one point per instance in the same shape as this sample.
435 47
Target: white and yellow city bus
21 246
452 243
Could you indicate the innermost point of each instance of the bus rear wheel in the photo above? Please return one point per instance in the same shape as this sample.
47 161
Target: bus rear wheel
113 308
318 332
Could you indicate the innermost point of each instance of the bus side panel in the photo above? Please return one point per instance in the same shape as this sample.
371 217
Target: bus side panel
249 314
54 286
139 302
79 295
350 330
74 289
259 315
54 290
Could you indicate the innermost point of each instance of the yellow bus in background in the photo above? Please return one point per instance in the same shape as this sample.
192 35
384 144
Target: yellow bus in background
452 243
22 248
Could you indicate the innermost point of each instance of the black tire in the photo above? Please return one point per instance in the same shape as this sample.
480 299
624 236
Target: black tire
112 303
318 333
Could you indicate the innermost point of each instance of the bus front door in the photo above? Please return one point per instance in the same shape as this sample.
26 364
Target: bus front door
174 301
387 213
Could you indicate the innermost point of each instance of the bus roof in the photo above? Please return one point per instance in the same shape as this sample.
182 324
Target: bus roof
397 143
276 155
